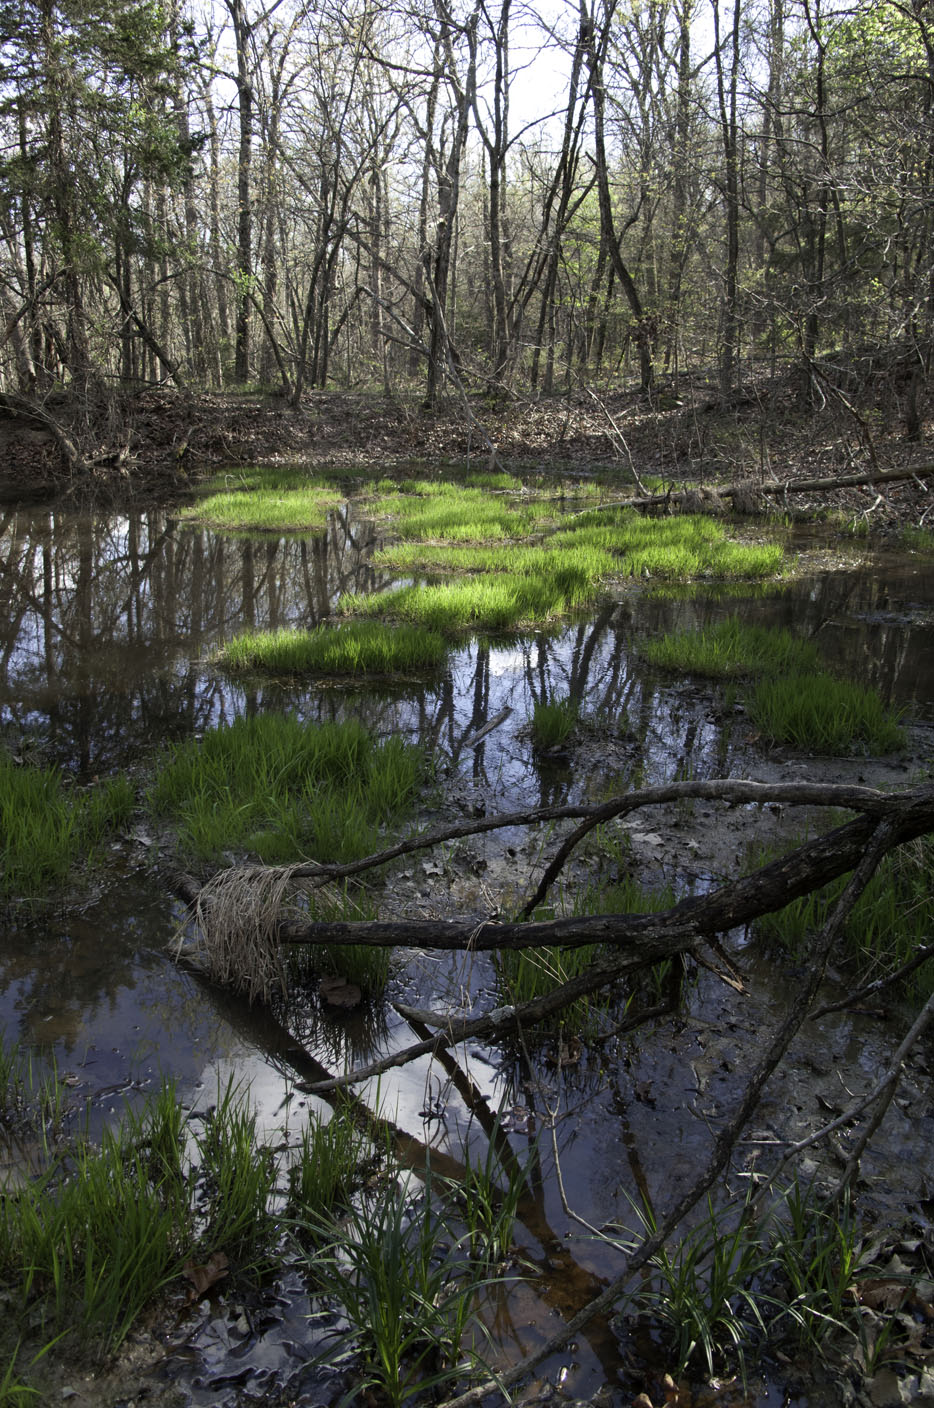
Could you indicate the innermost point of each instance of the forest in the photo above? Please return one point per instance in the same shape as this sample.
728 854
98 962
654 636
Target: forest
436 197
466 732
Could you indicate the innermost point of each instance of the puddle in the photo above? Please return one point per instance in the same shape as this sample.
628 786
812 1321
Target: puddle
107 624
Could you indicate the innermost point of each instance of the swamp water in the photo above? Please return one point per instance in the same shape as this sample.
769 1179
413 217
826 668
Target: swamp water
106 628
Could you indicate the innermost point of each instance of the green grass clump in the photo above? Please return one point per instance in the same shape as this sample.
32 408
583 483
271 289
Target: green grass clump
496 603
100 1232
525 974
453 513
731 648
553 724
327 1168
823 715
407 1290
481 479
683 547
918 539
281 789
47 829
282 501
516 559
437 521
353 649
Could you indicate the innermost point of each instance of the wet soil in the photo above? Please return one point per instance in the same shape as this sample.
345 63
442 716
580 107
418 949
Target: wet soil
108 624
160 442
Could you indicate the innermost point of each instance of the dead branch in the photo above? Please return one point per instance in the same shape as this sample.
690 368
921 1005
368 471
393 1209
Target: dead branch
777 488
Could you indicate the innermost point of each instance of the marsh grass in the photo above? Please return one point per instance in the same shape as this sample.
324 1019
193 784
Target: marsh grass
485 1199
356 648
407 1290
364 965
328 1168
525 974
824 715
705 1288
101 1230
792 699
281 789
683 547
237 1179
48 828
498 603
446 528
553 723
819 1253
481 479
271 504
918 539
736 1280
891 920
448 512
731 648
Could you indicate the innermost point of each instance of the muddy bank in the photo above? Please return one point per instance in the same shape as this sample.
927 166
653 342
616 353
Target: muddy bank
161 442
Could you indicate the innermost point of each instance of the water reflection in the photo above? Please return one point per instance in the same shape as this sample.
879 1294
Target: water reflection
107 624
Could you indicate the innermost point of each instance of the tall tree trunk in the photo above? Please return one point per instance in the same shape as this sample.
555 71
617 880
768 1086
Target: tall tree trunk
727 90
596 54
242 35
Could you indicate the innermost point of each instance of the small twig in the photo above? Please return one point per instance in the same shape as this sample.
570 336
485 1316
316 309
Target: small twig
878 985
885 1092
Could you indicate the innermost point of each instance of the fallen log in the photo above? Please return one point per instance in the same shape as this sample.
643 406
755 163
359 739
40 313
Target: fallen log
697 496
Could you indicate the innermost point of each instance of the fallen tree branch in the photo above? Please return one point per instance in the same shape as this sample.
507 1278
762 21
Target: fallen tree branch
775 488
243 916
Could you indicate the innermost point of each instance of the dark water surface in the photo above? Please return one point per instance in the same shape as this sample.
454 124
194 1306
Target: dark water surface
107 624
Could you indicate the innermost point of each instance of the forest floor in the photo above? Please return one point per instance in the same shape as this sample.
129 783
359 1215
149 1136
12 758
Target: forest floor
158 442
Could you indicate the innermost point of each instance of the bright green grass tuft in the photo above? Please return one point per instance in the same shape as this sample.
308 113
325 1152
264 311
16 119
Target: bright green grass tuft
553 724
495 603
353 649
280 789
266 508
451 513
480 479
46 828
731 648
824 715
682 547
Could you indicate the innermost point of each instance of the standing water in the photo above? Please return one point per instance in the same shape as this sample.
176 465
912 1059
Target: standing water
107 628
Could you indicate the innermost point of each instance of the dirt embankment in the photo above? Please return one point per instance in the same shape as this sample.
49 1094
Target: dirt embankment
160 442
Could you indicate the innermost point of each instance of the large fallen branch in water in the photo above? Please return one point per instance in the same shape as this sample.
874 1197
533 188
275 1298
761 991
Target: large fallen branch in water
245 916
746 493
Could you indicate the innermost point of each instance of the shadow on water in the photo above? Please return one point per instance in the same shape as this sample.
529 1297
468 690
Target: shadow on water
107 624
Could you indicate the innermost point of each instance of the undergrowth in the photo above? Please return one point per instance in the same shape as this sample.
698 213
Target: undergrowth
282 789
48 828
891 920
356 648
